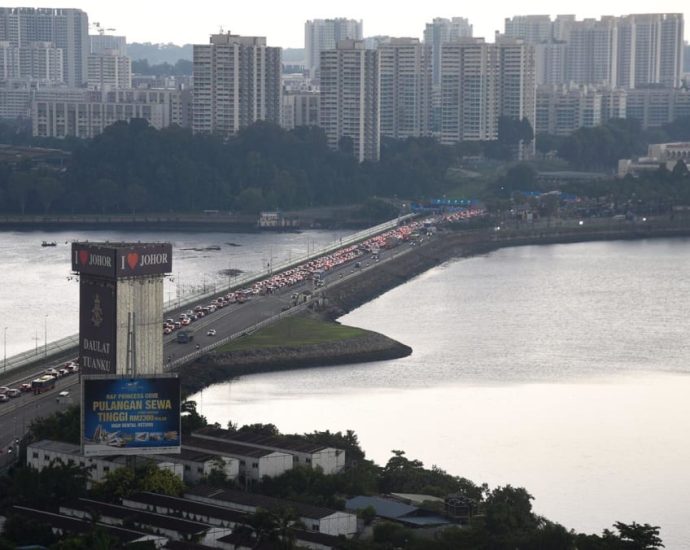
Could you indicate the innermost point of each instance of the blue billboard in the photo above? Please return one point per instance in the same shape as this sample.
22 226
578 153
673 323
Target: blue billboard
130 416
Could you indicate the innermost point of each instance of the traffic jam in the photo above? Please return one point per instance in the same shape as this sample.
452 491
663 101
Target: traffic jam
315 270
46 381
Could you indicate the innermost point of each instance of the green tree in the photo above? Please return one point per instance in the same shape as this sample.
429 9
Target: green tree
126 481
635 536
48 189
27 532
135 197
508 510
250 201
191 419
106 194
19 187
60 426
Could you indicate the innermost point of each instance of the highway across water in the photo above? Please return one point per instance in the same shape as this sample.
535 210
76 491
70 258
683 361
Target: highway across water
16 414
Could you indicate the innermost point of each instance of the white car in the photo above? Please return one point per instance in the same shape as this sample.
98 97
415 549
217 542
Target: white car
211 332
64 393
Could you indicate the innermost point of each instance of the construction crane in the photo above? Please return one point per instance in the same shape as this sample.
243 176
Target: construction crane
100 30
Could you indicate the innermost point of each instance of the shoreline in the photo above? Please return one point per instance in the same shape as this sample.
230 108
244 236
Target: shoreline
217 368
345 296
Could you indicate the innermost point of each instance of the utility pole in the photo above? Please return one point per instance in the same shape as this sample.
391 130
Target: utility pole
4 363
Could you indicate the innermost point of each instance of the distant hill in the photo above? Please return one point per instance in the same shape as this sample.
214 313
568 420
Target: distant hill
156 54
294 56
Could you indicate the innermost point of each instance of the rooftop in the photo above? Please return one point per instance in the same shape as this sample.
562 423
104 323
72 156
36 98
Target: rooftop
75 525
398 511
289 443
259 501
223 447
152 519
190 506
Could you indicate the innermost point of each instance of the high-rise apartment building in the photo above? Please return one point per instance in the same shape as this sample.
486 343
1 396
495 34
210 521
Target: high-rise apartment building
530 28
440 31
37 61
592 52
300 108
350 98
236 83
101 43
469 88
66 29
405 69
325 34
482 82
650 49
551 62
109 70
628 51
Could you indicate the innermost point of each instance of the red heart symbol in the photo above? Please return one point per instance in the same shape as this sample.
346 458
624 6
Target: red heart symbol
132 259
83 257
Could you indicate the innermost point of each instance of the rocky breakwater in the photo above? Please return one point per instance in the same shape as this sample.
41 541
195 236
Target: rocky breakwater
222 366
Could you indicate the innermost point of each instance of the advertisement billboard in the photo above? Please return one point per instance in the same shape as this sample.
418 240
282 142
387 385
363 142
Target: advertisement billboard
97 326
115 260
130 416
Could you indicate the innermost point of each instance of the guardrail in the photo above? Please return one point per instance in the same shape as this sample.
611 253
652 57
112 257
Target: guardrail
68 343
251 278
221 342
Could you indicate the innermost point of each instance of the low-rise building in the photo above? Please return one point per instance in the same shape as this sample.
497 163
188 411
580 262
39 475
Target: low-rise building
62 525
305 453
254 463
43 453
121 516
658 154
394 510
315 518
197 465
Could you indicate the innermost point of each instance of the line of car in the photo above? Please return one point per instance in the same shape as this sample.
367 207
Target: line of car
70 367
170 325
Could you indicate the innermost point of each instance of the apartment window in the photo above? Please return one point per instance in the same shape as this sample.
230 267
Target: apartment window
106 469
187 467
241 462
255 464
34 454
308 460
200 469
315 527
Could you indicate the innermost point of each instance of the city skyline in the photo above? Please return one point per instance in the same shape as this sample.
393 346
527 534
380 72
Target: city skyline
285 28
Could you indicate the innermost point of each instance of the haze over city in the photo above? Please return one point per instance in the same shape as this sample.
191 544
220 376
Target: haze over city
283 22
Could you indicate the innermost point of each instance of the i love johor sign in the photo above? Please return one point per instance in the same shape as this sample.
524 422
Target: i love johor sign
120 260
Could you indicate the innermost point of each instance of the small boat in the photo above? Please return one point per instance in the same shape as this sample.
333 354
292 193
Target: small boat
46 243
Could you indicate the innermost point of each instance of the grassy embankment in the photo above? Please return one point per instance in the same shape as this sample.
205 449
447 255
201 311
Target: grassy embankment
292 343
294 332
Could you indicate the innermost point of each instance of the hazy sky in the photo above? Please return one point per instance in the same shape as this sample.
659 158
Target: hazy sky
282 21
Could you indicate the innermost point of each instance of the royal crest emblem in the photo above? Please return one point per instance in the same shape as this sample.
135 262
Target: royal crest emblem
97 312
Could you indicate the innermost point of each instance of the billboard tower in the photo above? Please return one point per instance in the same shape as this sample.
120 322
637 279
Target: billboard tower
121 306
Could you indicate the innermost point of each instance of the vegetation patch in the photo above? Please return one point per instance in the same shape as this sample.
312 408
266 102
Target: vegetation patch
294 332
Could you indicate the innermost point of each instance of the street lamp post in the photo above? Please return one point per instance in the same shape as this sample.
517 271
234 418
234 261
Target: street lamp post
45 336
4 363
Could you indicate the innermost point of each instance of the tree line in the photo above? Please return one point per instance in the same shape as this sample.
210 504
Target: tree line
134 168
601 147
503 517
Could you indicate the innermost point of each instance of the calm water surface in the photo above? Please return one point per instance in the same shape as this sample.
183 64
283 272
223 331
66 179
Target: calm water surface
564 369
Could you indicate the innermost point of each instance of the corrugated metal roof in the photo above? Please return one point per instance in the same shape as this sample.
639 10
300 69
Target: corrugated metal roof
259 501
